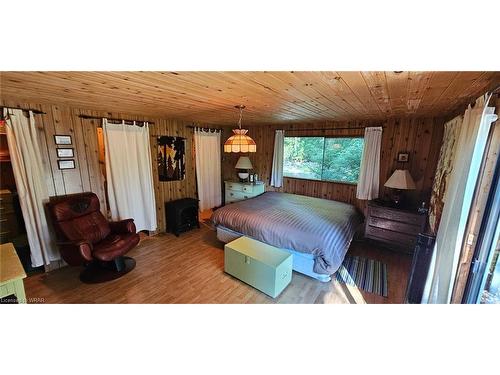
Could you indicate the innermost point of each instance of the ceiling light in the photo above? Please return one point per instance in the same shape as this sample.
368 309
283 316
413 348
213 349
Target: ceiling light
239 141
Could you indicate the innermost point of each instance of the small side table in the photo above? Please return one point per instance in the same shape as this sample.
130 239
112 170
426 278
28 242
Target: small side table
11 273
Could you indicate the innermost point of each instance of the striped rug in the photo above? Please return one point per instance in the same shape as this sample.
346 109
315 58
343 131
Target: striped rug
366 274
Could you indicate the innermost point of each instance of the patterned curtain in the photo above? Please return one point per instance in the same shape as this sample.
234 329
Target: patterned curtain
443 171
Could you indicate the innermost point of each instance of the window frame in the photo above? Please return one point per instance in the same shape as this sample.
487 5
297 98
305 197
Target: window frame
324 137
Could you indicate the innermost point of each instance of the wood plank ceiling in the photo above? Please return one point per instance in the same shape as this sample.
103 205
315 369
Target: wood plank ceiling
269 97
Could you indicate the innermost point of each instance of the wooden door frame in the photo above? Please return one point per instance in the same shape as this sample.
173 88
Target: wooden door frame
478 206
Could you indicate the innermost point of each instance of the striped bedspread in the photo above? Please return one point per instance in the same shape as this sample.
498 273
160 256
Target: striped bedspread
317 226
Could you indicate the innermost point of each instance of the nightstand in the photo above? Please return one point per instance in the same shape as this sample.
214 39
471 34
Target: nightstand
394 227
239 191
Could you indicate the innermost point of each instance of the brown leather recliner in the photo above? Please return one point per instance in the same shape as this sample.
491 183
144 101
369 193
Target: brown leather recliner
86 238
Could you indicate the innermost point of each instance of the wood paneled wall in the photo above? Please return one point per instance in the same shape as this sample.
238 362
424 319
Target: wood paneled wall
87 175
420 137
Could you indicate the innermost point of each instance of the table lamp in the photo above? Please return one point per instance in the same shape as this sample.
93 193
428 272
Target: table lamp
243 164
400 180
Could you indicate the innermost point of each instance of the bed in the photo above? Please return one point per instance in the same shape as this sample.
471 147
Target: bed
316 231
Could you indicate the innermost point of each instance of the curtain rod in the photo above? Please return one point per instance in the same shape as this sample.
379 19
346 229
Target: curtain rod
320 129
204 128
87 117
36 111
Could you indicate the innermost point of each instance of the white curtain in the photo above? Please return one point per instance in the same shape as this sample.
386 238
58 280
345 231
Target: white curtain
208 168
279 149
129 174
26 159
369 175
457 201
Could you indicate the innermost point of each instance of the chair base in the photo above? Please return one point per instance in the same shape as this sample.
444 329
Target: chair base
100 272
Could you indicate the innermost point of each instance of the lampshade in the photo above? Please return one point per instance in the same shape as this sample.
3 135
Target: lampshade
240 142
244 163
400 179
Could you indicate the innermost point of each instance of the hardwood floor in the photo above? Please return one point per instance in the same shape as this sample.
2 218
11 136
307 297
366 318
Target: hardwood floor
190 269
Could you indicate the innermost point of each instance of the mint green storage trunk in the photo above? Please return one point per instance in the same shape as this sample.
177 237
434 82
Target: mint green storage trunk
262 266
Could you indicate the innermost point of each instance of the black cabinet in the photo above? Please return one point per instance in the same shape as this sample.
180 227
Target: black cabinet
182 215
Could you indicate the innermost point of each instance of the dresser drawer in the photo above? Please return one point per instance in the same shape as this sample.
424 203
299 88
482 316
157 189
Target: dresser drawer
237 191
255 189
235 186
235 196
8 227
6 208
392 239
396 215
6 198
247 189
395 226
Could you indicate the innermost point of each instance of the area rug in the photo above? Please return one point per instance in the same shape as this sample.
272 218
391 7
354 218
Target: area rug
366 274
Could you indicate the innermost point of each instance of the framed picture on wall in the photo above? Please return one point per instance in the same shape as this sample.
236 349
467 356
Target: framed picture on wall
65 152
403 157
171 155
62 139
66 164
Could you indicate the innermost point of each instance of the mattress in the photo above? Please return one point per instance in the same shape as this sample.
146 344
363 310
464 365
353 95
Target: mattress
320 227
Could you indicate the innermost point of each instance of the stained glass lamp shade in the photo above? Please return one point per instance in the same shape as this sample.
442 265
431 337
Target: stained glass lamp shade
240 141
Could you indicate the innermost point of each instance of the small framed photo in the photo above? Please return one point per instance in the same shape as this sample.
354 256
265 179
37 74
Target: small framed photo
65 152
403 157
62 139
66 164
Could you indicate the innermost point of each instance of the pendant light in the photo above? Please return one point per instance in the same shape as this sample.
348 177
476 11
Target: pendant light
239 141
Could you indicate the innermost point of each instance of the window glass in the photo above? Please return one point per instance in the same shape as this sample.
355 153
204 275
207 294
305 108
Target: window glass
303 157
319 158
342 159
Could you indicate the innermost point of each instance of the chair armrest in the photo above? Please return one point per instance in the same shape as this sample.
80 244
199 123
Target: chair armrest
76 253
122 226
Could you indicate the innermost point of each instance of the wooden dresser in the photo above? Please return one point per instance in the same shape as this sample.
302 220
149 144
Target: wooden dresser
239 191
393 227
9 227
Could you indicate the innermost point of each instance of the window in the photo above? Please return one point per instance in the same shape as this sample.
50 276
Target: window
321 158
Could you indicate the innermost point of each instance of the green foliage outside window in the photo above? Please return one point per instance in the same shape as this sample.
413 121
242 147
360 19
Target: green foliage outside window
320 158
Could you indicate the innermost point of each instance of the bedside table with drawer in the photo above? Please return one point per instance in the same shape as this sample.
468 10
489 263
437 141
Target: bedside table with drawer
393 227
239 191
